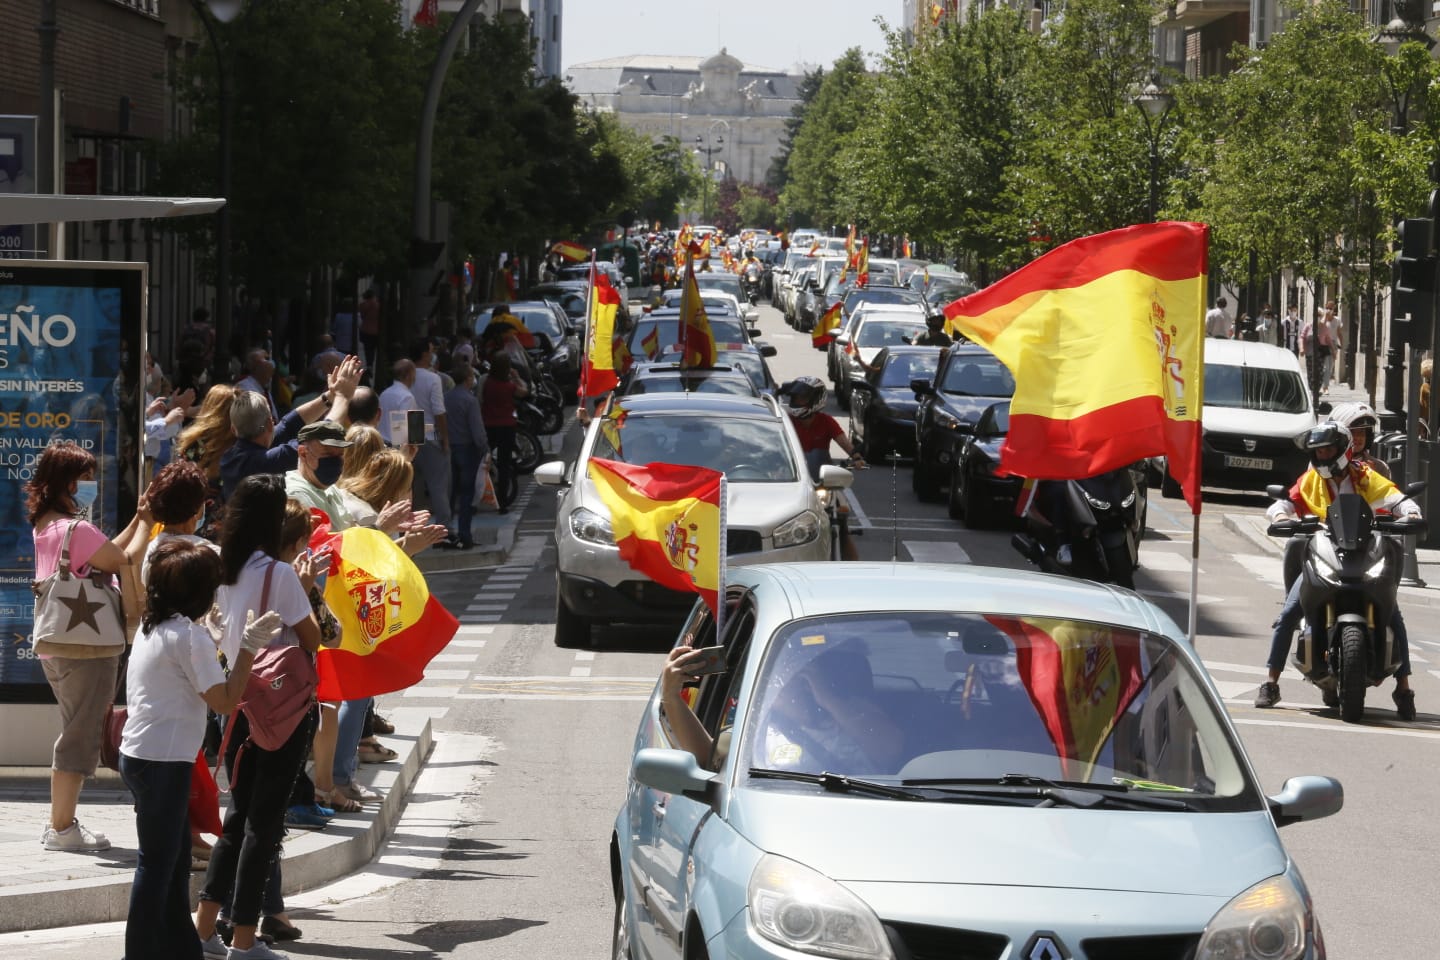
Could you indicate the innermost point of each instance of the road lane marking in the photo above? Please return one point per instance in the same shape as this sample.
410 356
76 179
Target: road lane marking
584 654
936 551
446 674
1338 727
579 671
455 658
447 693
481 618
1249 669
468 644
486 607
475 629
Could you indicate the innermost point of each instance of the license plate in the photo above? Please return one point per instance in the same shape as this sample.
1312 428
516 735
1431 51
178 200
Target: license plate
1249 463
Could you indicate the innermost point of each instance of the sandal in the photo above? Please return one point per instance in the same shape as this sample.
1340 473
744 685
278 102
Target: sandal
375 752
337 801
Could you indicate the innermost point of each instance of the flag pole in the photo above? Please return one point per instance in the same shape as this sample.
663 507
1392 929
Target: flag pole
1194 577
724 556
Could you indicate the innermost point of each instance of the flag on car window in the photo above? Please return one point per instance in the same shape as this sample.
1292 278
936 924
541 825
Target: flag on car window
650 343
597 373
696 339
570 251
826 327
668 522
1104 336
391 625
862 263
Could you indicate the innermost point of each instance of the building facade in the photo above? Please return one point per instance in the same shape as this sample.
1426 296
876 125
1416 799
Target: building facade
731 113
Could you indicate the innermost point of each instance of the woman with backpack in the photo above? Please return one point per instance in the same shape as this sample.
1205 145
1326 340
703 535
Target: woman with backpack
260 779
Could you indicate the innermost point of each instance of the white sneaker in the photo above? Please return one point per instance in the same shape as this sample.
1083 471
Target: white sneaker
261 951
358 792
1063 555
74 839
214 948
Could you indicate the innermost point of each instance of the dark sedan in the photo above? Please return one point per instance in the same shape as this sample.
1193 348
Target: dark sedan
969 380
883 403
978 496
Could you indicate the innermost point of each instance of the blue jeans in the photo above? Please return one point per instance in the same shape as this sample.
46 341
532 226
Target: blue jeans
159 924
347 739
464 464
1291 615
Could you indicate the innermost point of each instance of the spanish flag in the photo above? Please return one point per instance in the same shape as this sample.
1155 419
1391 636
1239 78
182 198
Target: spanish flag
650 343
814 245
597 372
1104 336
862 263
696 338
391 625
826 327
570 251
850 245
784 239
668 522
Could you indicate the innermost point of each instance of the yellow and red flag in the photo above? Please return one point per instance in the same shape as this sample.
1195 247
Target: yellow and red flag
905 247
668 522
391 626
814 245
826 327
697 341
572 252
1104 336
598 370
862 263
850 245
650 343
784 239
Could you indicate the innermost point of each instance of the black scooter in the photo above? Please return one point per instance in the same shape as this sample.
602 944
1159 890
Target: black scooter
1102 515
1350 576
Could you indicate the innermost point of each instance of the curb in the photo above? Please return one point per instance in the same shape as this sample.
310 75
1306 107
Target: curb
1246 527
311 858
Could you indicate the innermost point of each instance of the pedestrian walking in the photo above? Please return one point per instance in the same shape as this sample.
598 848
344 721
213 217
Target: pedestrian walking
468 448
1218 322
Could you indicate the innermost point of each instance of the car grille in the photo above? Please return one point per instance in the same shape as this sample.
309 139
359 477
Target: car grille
743 541
1179 946
651 594
1274 448
918 941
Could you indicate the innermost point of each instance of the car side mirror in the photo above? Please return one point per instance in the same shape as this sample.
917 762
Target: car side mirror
859 383
766 350
1306 798
1276 491
835 478
1412 489
673 771
922 387
551 474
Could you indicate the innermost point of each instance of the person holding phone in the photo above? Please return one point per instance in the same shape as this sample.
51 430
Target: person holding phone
684 665
396 402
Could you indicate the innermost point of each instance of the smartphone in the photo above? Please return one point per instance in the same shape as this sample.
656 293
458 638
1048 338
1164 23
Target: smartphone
705 661
415 426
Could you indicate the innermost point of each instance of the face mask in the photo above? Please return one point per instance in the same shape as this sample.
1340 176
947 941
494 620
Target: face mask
85 493
200 523
328 470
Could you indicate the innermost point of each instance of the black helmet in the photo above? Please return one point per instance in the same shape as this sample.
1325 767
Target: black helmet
1329 446
804 396
935 319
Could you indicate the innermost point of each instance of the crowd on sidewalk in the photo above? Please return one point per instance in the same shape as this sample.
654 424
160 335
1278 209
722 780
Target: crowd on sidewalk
213 580
1323 335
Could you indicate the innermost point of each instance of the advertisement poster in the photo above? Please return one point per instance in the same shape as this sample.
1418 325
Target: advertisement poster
71 354
17 175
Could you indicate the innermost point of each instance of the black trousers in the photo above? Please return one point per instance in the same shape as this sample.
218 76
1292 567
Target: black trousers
241 860
502 448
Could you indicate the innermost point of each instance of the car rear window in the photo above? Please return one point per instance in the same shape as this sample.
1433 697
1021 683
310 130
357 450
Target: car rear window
1265 389
980 375
900 369
877 332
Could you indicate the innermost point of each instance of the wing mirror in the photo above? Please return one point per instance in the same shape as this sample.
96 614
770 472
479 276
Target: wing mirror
833 477
922 387
1306 798
766 350
672 771
551 474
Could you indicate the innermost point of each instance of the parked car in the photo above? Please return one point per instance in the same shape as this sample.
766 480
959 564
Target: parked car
883 402
774 511
1042 769
888 326
968 380
670 377
572 295
545 319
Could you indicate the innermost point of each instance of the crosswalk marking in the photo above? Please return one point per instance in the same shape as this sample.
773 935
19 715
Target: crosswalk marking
486 607
441 674
473 628
455 658
936 551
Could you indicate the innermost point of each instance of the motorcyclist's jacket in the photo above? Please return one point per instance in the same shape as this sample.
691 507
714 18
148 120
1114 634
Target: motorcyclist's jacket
1312 494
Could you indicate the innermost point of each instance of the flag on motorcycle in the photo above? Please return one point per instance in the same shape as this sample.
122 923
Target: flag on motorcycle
598 371
1080 680
826 327
391 625
572 252
1109 333
697 341
668 522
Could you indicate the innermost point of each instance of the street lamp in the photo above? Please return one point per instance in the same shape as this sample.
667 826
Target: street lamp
1154 105
704 147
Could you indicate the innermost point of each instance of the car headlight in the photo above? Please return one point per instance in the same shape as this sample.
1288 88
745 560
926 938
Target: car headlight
799 908
1266 922
797 530
591 527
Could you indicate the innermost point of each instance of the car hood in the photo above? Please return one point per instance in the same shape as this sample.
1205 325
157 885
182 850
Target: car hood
1255 423
855 839
899 401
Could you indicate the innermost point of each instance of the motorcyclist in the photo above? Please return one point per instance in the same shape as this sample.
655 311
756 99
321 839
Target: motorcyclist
1051 506
804 399
934 335
1333 472
1359 418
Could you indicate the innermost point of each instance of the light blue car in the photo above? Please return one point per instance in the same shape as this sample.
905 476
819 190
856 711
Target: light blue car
919 761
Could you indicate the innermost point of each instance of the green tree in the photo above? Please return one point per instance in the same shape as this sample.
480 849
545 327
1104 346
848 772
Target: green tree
778 175
841 106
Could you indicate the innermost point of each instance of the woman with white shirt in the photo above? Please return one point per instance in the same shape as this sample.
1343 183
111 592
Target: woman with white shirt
172 677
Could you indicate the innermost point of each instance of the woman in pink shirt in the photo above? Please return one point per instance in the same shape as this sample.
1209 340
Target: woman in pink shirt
82 676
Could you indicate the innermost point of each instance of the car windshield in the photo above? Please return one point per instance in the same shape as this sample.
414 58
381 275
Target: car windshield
1255 388
978 375
694 383
727 282
882 332
539 320
748 449
973 698
652 337
942 291
865 295
901 368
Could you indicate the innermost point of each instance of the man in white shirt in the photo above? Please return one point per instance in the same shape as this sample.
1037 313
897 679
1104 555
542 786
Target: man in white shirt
1218 322
432 460
395 400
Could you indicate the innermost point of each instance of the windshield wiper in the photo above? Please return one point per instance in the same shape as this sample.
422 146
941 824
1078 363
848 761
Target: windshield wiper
1062 793
838 783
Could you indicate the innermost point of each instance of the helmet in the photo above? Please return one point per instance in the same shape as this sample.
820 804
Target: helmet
1328 443
804 396
1355 417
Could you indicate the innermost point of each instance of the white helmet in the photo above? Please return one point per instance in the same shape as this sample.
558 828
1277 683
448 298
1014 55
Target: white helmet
1356 416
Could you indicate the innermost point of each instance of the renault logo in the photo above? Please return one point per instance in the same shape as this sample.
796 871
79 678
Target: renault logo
1045 946
1249 445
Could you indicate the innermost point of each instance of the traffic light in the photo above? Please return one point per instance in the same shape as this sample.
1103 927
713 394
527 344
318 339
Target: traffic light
1414 289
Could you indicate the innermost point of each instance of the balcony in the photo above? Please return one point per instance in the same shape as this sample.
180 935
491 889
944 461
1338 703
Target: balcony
1198 13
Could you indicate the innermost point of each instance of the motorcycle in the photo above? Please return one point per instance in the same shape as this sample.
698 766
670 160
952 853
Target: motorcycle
750 284
1350 575
1102 514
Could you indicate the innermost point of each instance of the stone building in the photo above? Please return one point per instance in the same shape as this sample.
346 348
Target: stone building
731 112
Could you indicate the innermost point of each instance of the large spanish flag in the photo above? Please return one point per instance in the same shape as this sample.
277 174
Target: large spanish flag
862 264
1104 336
696 338
391 625
826 327
597 371
668 522
570 251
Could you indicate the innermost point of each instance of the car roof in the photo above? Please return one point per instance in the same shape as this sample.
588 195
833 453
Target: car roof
710 404
822 588
892 311
1246 353
667 368
898 349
